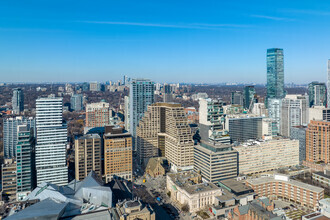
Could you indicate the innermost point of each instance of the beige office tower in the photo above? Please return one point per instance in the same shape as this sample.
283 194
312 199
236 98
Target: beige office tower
87 155
164 131
117 154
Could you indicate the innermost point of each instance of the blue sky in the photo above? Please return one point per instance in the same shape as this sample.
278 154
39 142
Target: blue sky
166 41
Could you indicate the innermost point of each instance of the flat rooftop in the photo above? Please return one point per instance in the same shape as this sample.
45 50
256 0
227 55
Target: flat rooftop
236 186
183 181
263 180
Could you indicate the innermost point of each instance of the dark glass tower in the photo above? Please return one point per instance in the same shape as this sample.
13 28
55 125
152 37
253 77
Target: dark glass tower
275 73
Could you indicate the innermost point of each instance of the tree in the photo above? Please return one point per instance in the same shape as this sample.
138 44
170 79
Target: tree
185 207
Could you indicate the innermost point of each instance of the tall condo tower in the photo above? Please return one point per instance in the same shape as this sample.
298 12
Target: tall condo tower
141 95
51 142
275 73
18 101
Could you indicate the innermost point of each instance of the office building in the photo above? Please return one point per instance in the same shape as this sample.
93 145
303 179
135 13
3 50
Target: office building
212 121
275 73
216 162
294 112
259 109
10 133
77 102
164 131
118 148
318 142
9 179
299 133
265 155
318 113
24 161
141 95
244 127
187 189
249 97
282 187
237 98
97 114
317 94
87 155
17 101
51 142
94 86
127 112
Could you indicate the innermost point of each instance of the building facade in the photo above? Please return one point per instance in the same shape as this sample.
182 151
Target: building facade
88 155
164 131
51 141
216 162
299 133
17 101
118 148
266 155
294 112
237 98
244 127
275 73
10 133
97 114
127 112
318 141
141 94
212 121
274 112
24 161
328 86
317 94
280 186
9 178
77 102
249 97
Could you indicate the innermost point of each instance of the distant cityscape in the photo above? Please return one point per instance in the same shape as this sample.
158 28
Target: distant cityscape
137 149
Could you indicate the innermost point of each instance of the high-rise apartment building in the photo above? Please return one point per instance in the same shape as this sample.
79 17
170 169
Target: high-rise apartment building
249 97
328 84
118 148
141 94
274 112
317 94
164 131
88 155
94 86
127 112
275 73
299 133
77 102
318 113
244 127
266 155
167 93
97 114
24 161
17 101
216 162
318 142
9 178
50 155
237 98
212 121
10 133
294 112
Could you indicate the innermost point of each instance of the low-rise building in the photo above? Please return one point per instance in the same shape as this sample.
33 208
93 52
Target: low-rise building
156 166
280 186
9 179
325 207
265 155
257 209
188 191
131 210
322 178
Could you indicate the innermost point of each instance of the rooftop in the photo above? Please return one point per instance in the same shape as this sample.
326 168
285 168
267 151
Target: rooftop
263 180
236 186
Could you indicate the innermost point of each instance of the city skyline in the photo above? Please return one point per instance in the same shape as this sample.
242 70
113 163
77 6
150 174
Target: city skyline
224 41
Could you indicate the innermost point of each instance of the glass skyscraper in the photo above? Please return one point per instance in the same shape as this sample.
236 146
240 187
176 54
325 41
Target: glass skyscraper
18 101
275 73
317 94
141 94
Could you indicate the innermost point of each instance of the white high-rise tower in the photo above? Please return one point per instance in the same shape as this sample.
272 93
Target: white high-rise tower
51 142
